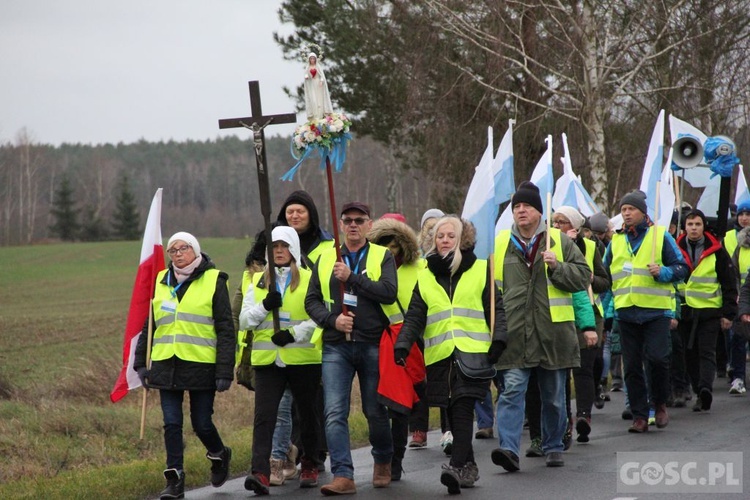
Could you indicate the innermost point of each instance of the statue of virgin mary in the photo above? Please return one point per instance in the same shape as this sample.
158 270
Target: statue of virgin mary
317 98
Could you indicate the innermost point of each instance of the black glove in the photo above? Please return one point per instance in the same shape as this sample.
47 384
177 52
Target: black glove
272 300
143 375
282 338
222 384
496 350
399 355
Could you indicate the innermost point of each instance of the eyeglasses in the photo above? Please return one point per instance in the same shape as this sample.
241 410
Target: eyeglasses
561 223
175 251
359 221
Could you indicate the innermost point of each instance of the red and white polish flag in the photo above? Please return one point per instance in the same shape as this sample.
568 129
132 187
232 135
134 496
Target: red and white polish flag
152 261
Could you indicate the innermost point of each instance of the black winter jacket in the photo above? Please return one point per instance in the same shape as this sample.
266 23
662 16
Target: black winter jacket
445 382
178 374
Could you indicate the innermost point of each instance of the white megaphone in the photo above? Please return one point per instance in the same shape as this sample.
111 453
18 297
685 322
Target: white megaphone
687 152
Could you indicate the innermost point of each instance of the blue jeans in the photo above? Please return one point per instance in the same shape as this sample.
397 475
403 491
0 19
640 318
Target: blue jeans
485 411
606 356
282 434
340 363
511 407
201 409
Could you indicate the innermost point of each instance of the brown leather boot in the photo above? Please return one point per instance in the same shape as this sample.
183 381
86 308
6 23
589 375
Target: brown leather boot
381 475
339 486
640 425
661 416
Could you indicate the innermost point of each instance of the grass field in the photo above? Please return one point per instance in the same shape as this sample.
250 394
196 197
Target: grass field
62 315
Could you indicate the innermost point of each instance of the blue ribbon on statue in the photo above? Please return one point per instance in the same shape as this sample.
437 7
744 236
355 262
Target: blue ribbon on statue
336 154
720 164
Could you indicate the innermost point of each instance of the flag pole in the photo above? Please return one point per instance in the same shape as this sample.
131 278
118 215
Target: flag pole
149 340
549 217
656 223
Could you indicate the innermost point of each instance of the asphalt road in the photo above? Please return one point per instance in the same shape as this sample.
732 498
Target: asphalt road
590 471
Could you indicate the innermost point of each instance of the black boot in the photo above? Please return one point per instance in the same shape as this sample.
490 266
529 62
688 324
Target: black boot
220 466
175 484
396 467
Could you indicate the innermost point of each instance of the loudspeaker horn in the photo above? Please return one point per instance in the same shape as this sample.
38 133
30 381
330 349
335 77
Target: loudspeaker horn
687 152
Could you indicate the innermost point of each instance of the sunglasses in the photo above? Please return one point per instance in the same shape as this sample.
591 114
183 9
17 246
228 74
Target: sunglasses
359 221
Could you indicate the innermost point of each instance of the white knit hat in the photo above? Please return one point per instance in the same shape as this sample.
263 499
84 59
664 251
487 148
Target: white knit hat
573 215
188 238
289 236
433 213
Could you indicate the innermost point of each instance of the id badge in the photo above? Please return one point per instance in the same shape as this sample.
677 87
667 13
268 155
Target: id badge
350 300
169 307
628 267
285 318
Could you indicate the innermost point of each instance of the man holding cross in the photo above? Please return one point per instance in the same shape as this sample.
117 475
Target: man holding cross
353 302
537 269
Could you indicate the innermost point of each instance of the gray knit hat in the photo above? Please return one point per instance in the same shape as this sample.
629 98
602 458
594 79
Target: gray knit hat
432 213
636 198
599 222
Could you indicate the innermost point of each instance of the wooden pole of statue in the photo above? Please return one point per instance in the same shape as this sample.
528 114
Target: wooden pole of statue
336 237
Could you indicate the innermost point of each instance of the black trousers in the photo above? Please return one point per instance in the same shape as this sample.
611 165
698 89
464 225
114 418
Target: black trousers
699 339
583 378
270 382
419 419
461 418
678 376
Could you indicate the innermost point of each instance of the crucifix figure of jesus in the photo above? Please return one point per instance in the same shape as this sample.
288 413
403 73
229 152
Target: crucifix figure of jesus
257 123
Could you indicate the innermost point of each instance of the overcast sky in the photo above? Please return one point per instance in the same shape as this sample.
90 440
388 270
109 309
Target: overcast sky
109 71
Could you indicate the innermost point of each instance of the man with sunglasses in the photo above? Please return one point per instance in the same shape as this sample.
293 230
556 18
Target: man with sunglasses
353 301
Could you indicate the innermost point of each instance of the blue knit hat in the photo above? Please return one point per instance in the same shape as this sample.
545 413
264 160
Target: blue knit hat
743 207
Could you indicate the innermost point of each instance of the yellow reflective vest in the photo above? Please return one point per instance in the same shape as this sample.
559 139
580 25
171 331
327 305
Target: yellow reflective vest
702 290
375 256
560 302
293 308
185 328
457 323
632 283
316 252
743 254
407 279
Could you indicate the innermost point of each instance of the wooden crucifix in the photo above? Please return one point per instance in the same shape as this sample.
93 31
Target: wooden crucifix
257 123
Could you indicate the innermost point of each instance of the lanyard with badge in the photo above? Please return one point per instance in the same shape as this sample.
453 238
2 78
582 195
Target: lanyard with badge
168 305
628 265
285 317
350 298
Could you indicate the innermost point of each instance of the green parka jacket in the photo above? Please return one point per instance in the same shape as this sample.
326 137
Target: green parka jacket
533 339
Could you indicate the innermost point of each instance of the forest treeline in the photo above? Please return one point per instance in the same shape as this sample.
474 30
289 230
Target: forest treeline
210 187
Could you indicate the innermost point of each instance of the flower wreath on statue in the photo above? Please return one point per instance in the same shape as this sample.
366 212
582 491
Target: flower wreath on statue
325 131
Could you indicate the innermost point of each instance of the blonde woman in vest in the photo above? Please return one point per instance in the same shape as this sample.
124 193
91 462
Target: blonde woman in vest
286 357
193 350
450 309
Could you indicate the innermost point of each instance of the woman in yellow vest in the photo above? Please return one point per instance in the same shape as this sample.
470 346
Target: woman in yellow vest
450 308
289 356
192 350
398 394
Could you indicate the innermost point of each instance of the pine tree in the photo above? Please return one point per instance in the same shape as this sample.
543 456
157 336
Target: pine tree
125 220
92 227
64 211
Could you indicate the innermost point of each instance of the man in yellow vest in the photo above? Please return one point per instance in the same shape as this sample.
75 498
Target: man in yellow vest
537 285
644 262
353 302
709 303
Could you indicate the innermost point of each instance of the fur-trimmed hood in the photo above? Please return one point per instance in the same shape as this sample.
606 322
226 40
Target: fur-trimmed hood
468 235
404 236
743 237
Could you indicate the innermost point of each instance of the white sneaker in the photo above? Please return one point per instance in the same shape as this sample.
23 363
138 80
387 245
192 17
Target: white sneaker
738 387
277 472
446 443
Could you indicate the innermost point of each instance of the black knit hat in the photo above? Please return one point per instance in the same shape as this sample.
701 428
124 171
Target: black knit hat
527 192
637 199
